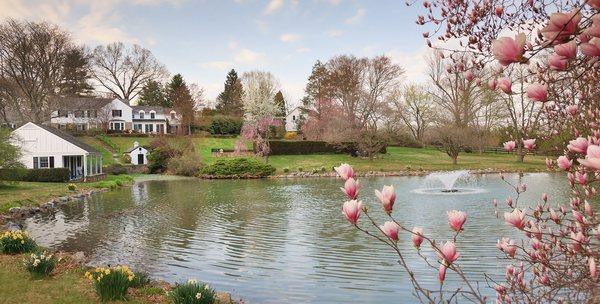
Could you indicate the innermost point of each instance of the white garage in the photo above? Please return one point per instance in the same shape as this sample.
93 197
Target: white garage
138 154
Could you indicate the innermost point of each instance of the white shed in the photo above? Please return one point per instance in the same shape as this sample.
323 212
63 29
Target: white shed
47 147
291 120
138 154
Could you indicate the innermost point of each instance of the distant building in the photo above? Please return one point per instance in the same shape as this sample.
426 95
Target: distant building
138 154
291 120
114 115
47 147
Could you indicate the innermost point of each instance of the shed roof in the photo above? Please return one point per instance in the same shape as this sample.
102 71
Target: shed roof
69 138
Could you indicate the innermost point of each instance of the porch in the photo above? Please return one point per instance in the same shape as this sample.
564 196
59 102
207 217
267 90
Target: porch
84 167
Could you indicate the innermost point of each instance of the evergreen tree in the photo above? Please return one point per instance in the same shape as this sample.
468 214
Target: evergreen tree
153 94
76 73
230 100
180 95
280 104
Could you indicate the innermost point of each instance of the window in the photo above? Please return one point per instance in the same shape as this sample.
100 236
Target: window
117 113
92 113
294 117
80 127
152 115
43 162
172 115
63 113
142 114
149 128
79 113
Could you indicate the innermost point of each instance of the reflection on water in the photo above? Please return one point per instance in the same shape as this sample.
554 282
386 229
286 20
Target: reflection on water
279 241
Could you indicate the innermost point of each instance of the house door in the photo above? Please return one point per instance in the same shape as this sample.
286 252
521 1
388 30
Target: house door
140 159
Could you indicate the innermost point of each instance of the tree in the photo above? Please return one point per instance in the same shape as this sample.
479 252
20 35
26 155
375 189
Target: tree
123 70
10 156
280 104
414 107
152 94
38 62
179 94
229 102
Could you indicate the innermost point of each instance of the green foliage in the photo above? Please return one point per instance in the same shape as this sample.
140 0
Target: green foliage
229 101
238 167
107 141
15 242
116 169
141 279
300 169
286 170
72 187
153 94
225 125
187 164
126 158
280 104
40 264
36 175
290 147
323 169
192 292
111 283
112 182
9 158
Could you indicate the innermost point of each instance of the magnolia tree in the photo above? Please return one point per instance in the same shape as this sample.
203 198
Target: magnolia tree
558 43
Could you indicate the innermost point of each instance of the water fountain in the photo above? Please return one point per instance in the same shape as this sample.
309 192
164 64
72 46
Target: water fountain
445 183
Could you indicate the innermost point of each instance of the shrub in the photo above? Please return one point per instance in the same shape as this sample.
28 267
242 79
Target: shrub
141 279
300 169
225 125
111 283
286 170
160 154
71 187
116 169
58 175
126 158
40 264
187 164
17 241
290 135
192 292
238 167
323 169
295 147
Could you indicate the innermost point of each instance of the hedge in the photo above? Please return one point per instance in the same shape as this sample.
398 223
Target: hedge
224 125
36 175
238 167
288 147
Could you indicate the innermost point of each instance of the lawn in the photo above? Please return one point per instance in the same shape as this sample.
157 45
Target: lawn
66 285
19 194
397 158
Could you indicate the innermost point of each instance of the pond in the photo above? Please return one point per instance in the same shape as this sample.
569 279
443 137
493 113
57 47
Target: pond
283 240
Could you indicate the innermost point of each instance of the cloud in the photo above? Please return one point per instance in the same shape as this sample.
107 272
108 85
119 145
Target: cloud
414 63
360 13
248 56
217 65
289 37
273 6
334 33
263 26
302 50
13 9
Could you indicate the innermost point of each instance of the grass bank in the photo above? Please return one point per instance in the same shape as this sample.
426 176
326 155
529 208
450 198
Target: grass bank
397 158
18 194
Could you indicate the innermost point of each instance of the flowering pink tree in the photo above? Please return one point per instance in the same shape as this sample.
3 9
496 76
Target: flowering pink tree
556 259
258 132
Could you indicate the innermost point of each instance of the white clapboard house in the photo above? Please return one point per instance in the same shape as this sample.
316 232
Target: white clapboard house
47 147
82 113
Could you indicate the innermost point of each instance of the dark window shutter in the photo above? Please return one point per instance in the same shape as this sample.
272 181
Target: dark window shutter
35 163
51 161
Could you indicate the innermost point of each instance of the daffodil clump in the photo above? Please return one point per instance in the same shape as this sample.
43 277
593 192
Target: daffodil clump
192 292
72 187
17 241
40 264
111 283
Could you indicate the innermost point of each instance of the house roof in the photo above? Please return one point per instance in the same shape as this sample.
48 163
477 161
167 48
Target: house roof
69 138
83 103
152 108
133 148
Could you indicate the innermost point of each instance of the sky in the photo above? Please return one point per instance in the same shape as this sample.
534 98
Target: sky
204 39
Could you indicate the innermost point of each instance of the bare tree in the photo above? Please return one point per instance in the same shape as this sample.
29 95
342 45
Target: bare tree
123 70
414 107
35 67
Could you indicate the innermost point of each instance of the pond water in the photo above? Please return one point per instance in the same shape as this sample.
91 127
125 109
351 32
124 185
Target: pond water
282 240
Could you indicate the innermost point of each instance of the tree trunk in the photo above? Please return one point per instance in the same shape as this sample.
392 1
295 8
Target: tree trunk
455 160
520 155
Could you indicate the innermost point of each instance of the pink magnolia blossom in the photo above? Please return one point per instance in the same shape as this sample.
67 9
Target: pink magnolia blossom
350 188
387 197
592 48
577 239
505 85
592 265
549 164
448 253
581 178
561 26
469 75
390 229
557 62
592 159
499 10
588 209
554 216
345 171
442 273
572 110
566 50
594 30
564 163
456 219
593 3
537 92
516 218
529 144
352 210
507 246
578 216
492 84
508 50
417 236
510 145
578 145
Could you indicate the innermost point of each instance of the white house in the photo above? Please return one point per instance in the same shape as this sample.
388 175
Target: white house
116 115
291 120
47 147
138 154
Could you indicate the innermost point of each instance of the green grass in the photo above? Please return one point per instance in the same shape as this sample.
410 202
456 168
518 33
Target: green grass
66 285
34 193
107 155
397 158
